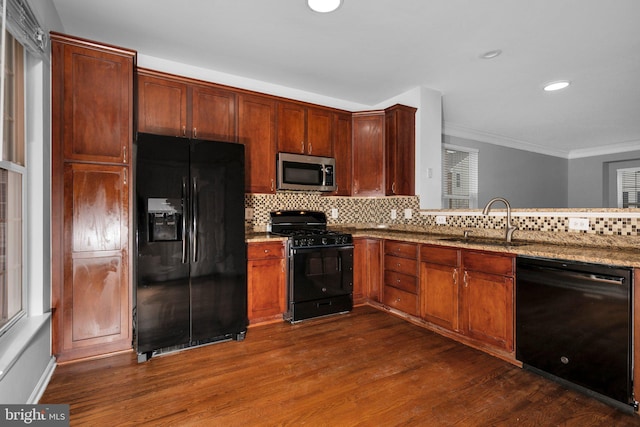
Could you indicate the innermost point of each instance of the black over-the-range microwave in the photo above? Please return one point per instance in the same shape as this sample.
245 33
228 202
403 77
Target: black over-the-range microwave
305 173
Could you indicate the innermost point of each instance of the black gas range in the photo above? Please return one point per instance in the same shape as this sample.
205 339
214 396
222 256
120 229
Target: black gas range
320 265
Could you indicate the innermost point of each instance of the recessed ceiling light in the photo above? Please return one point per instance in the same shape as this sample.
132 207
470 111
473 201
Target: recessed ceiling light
550 87
324 6
491 54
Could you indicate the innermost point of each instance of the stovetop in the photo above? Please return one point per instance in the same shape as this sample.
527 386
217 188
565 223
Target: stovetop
307 228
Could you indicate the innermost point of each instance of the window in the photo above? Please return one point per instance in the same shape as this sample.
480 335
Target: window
629 188
459 177
21 40
12 186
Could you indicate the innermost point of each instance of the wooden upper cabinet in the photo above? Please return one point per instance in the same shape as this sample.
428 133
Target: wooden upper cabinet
162 105
342 153
400 150
291 128
368 154
304 130
319 132
257 131
213 114
176 106
98 118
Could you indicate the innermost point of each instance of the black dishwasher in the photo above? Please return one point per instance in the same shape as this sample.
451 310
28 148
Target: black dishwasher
574 325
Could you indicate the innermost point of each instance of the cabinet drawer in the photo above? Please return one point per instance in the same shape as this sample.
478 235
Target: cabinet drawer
401 300
488 263
401 281
265 250
401 265
439 255
401 249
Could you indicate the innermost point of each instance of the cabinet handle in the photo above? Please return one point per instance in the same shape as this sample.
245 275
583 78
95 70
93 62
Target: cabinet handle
195 133
124 154
393 188
184 131
124 177
310 148
466 280
271 184
302 146
455 276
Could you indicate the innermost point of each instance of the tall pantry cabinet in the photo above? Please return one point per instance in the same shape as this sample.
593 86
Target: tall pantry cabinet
92 134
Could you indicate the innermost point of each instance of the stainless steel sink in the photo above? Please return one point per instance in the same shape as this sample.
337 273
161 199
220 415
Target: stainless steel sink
483 241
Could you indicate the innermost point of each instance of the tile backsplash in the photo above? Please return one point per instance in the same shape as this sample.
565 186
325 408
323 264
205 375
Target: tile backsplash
404 212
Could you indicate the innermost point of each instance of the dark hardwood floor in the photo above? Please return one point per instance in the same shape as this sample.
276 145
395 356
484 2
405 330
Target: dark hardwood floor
364 368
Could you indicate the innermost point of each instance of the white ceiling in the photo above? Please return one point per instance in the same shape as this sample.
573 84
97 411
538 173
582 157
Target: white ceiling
371 50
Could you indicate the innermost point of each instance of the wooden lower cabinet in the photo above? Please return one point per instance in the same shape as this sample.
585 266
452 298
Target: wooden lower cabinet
439 285
367 272
401 285
488 298
95 297
266 281
470 294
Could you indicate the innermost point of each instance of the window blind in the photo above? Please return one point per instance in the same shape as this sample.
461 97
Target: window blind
629 188
23 25
459 177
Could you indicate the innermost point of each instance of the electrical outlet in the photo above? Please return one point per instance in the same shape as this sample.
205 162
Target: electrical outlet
579 224
441 219
334 213
408 214
394 214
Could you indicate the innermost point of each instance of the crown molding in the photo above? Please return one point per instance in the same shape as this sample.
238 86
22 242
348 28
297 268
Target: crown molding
621 147
460 131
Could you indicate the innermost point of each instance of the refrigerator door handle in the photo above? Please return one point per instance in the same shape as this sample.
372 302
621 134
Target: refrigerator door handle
194 221
184 220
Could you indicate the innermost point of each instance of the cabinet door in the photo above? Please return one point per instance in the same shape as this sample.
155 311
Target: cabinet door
96 294
367 272
488 308
162 106
213 114
257 131
266 280
342 153
368 154
400 150
439 294
319 132
97 103
291 128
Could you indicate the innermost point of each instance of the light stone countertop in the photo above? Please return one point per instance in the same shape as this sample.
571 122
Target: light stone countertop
609 253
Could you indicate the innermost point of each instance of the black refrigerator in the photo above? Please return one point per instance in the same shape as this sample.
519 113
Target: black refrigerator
190 261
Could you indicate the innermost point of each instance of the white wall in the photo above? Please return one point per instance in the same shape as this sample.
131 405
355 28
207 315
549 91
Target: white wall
26 363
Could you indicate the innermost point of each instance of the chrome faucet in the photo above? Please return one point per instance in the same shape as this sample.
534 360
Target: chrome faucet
510 228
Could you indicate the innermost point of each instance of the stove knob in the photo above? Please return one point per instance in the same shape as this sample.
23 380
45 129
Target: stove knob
324 241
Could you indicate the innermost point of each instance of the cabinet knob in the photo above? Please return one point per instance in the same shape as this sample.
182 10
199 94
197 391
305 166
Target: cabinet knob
397 299
266 251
